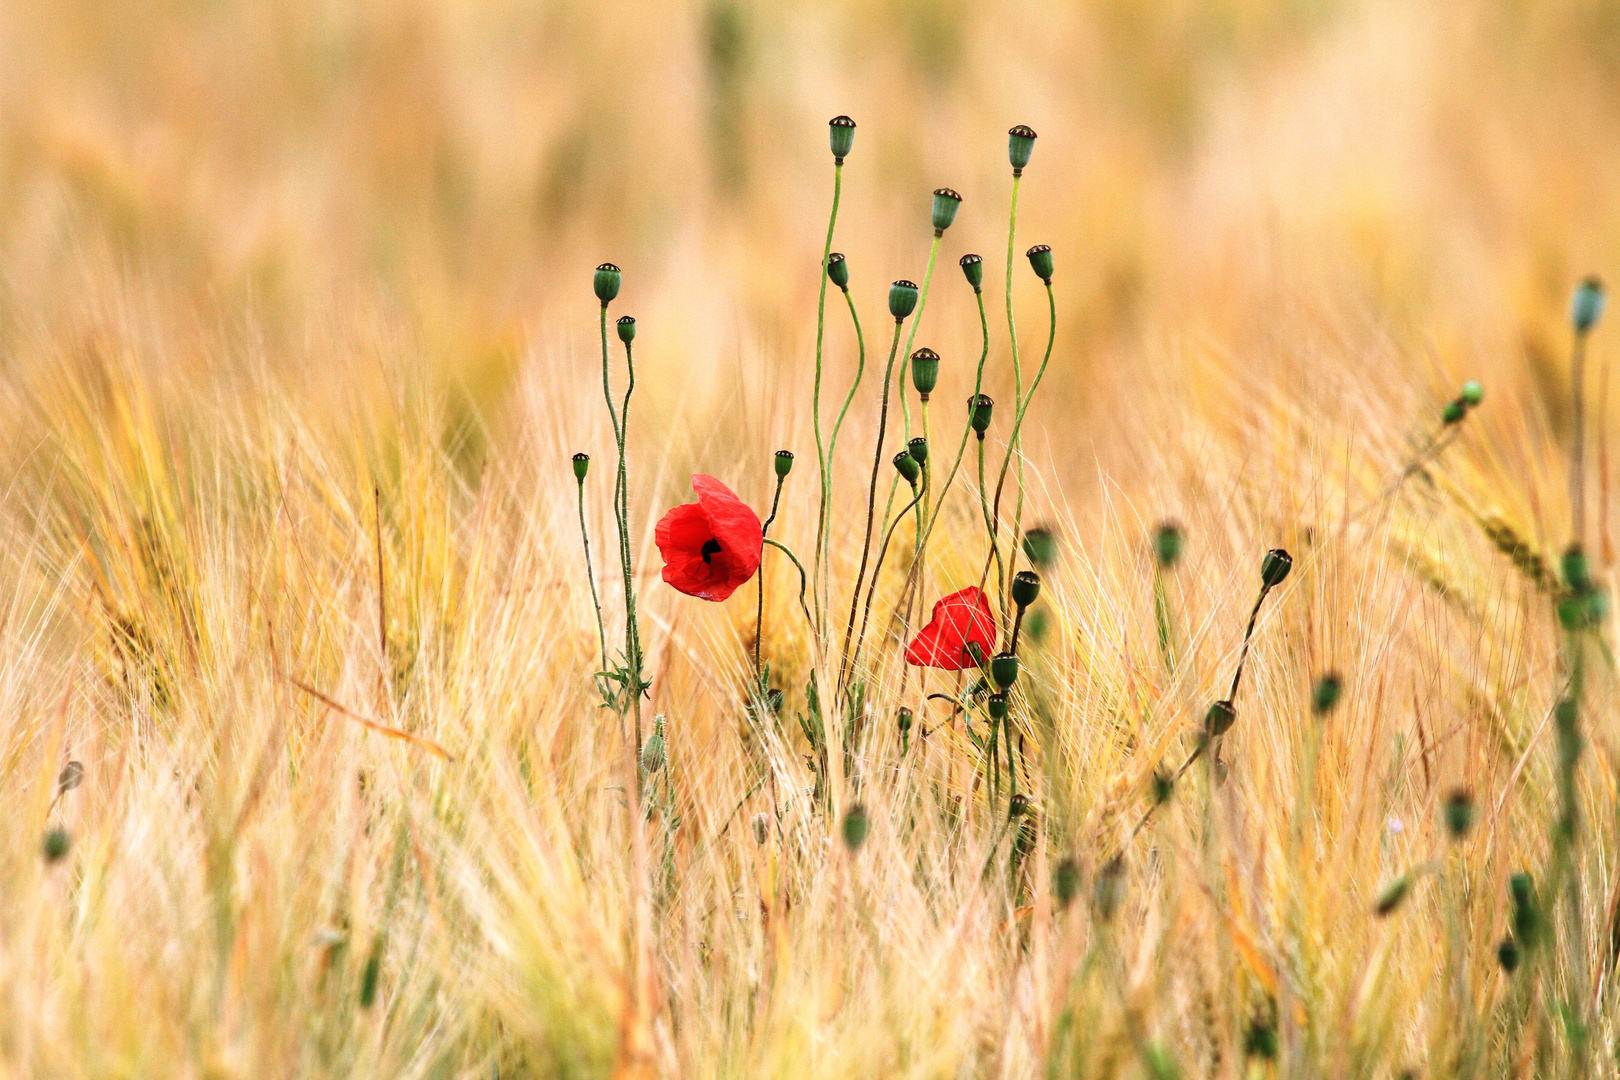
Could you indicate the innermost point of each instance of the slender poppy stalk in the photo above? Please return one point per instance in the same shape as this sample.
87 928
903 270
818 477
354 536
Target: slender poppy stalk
911 336
582 464
883 550
824 538
842 135
784 465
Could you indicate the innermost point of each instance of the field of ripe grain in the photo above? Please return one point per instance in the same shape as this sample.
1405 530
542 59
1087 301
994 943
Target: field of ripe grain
317 758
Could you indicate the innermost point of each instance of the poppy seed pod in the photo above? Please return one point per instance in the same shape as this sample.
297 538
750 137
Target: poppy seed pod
784 462
56 845
582 466
841 135
1326 694
1274 567
1459 813
1587 307
1040 260
907 466
838 270
652 751
946 202
1163 786
996 705
1168 541
762 827
1066 881
902 299
918 449
1454 412
1020 141
925 371
627 328
979 406
1219 719
1018 806
973 268
1261 1040
1507 954
1041 547
1472 393
1577 570
903 719
1526 919
1026 588
607 282
1004 669
856 826
1391 895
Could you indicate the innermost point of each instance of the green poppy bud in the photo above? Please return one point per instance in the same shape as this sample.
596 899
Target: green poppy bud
925 371
902 299
1507 954
1526 917
1018 806
1391 895
1326 694
907 466
1454 412
56 845
1459 813
918 449
1572 612
784 463
1026 588
762 827
1577 570
1261 1040
903 720
1168 540
838 270
582 465
1041 548
996 705
1164 785
627 328
1472 393
1004 670
979 406
973 268
1066 881
1040 260
1274 567
1218 720
652 751
1110 887
1587 307
607 283
1020 141
841 134
946 202
856 826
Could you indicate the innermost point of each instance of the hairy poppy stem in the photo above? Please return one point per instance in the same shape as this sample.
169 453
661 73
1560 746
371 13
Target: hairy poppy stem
994 554
823 534
621 513
883 550
871 504
824 457
911 337
803 581
759 607
590 576
1248 636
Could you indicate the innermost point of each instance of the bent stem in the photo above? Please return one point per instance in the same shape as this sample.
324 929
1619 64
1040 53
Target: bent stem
823 458
883 550
803 580
759 606
590 576
823 536
1012 443
911 337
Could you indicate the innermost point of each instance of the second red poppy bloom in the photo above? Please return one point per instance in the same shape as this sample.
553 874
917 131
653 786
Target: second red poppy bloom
711 546
958 620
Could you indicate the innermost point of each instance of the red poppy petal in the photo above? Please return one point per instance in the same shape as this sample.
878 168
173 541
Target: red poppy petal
680 535
734 522
956 620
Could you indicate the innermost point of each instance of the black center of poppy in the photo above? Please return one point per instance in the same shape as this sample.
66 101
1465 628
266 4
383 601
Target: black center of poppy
711 548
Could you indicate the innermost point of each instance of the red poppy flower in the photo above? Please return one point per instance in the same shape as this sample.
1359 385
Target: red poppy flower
711 546
958 619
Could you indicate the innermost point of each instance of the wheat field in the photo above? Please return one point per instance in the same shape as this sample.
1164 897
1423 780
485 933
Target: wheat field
303 767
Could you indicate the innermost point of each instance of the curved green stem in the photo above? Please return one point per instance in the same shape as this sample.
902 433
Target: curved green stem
871 589
822 457
759 606
590 576
1012 443
911 338
803 581
823 536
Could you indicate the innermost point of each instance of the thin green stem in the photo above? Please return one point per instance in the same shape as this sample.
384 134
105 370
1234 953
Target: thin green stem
621 510
1577 451
590 576
911 337
823 457
759 606
871 589
990 527
1022 405
823 535
803 580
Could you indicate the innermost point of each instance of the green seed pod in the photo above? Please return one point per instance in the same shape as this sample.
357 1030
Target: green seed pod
762 827
1572 612
996 705
841 134
1526 916
1020 141
918 449
1459 813
607 283
1004 670
1391 895
784 462
1454 412
838 270
925 371
1577 570
1168 540
627 328
582 466
1041 548
1219 718
903 720
652 751
979 407
1472 393
1026 588
1018 806
1587 307
902 299
1110 887
1326 694
856 826
1274 567
1261 1039
946 202
1507 954
907 466
70 777
1164 786
56 845
973 268
1040 260
1066 881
